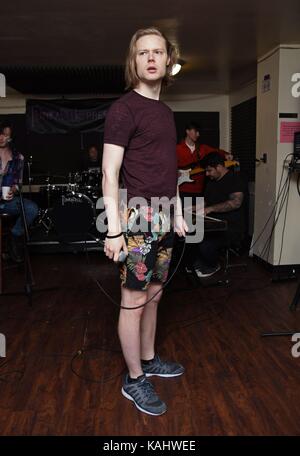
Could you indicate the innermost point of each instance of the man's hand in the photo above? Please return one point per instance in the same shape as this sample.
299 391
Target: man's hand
207 210
113 247
180 226
184 176
201 212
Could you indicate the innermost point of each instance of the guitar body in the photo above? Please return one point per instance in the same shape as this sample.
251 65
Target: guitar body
184 175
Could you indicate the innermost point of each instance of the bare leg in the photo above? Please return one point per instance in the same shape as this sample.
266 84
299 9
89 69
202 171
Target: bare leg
129 329
148 322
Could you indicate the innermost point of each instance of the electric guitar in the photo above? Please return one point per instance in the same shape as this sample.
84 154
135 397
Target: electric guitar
184 175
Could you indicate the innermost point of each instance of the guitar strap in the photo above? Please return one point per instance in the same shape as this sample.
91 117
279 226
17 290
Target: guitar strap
198 151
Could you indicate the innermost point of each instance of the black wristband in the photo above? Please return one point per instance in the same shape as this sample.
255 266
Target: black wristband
114 236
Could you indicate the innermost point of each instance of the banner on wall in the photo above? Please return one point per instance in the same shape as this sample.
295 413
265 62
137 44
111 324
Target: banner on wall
66 116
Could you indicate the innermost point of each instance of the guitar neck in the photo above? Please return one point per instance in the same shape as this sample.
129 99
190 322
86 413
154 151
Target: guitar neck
228 164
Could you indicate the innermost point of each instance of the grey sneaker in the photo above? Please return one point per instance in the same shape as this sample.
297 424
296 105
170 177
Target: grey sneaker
162 368
144 397
207 271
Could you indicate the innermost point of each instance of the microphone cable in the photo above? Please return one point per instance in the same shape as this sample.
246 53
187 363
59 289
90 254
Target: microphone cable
111 299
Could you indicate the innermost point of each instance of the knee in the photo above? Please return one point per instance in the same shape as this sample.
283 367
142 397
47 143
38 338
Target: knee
154 296
135 304
31 209
153 301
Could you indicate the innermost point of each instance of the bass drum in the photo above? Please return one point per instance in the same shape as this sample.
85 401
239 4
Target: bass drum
73 216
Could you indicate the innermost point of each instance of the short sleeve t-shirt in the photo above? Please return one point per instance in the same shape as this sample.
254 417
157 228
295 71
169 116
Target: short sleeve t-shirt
146 129
218 191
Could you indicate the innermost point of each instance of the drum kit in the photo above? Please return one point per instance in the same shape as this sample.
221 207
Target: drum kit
68 208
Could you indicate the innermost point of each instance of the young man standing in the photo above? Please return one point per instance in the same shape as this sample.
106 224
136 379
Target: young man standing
140 137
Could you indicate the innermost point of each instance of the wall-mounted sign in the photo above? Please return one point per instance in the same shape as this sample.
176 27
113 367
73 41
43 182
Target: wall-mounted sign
266 83
287 131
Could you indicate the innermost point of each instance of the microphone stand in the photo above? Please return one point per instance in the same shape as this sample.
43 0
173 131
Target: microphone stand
29 164
29 280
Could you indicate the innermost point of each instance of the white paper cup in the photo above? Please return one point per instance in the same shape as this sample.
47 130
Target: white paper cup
5 192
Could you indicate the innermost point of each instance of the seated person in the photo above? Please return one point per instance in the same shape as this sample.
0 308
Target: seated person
92 159
7 130
223 196
11 172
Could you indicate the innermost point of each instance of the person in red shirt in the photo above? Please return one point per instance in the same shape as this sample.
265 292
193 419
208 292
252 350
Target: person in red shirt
189 155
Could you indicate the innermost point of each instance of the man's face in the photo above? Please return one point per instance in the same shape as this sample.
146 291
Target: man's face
214 173
151 58
93 153
192 134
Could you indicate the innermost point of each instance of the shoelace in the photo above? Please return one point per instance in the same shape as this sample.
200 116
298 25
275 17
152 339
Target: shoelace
148 388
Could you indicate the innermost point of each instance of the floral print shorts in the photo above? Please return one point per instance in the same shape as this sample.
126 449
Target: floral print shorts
149 251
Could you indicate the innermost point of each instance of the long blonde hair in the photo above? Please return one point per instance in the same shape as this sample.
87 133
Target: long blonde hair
131 76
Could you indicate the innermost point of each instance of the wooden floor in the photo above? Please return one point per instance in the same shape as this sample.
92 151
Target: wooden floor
236 382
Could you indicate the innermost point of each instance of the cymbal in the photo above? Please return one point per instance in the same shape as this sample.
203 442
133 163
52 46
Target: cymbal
49 176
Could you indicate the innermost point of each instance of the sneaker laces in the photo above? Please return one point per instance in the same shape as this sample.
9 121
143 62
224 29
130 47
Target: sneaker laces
148 388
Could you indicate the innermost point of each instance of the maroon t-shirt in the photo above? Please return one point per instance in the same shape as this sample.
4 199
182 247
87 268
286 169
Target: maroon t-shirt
146 128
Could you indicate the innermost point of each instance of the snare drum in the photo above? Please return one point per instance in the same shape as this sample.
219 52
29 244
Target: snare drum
73 215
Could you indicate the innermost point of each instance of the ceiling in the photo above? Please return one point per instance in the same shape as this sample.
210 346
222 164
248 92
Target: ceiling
82 41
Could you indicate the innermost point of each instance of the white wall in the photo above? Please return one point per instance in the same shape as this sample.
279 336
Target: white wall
289 63
243 94
280 64
13 103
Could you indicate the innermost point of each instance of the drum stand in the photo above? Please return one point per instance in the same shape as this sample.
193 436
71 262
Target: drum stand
29 280
45 221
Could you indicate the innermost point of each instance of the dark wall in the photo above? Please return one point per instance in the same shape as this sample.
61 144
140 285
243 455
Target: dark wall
208 122
51 154
243 136
61 154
